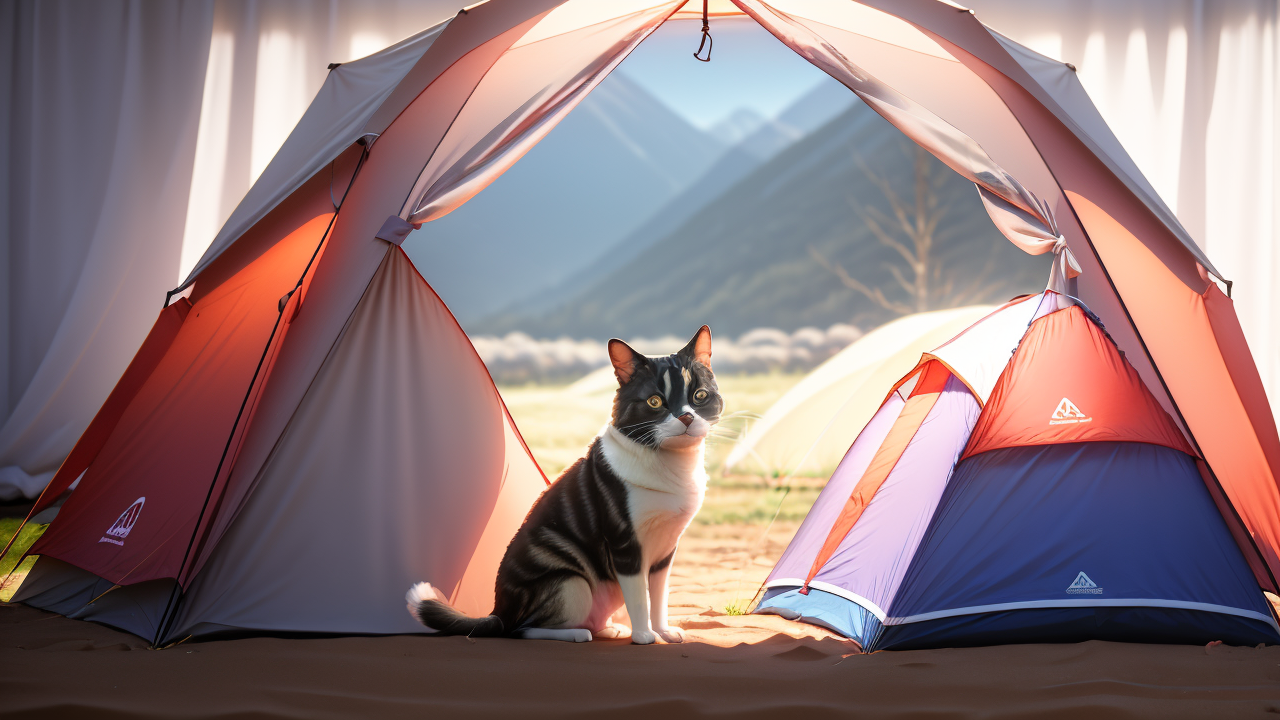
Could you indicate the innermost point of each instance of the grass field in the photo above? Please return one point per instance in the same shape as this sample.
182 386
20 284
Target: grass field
558 422
29 535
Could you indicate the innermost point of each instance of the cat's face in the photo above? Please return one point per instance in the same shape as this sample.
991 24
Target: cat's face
668 402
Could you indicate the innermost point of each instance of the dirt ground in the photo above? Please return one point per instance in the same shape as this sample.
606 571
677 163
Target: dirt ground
731 666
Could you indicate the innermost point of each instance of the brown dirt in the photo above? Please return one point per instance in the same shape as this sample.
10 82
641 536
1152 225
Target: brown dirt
731 666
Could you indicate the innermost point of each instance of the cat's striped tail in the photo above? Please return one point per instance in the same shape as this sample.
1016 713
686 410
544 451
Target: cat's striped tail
428 607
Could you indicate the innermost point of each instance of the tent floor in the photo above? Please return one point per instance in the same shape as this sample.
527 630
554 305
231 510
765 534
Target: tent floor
1073 625
732 666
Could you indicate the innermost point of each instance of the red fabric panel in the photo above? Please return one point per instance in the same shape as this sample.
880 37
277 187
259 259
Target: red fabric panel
95 436
218 499
1188 341
168 442
1239 532
1068 383
1244 372
922 399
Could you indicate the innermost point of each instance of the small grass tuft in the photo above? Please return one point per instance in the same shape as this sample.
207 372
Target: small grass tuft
9 582
737 607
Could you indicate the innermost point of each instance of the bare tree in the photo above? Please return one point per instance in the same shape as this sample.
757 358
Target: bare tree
912 230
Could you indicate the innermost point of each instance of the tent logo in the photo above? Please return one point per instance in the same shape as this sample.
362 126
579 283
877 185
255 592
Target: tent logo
1082 585
1068 414
119 529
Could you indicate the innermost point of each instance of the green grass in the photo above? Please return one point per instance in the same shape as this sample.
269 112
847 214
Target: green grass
737 607
8 526
559 423
734 501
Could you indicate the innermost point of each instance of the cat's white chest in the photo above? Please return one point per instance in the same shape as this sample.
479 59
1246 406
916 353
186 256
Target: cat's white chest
664 490
660 518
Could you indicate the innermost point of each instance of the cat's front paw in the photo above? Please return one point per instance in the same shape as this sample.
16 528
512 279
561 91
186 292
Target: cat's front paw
671 634
641 636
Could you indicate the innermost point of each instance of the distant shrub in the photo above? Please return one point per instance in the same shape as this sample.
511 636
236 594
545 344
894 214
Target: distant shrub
516 358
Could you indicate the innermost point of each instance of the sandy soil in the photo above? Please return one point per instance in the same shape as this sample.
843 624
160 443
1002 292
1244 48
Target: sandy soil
740 666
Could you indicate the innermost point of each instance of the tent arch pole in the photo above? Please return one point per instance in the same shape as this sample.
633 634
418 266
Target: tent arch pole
1173 400
408 196
176 594
1137 332
955 50
404 206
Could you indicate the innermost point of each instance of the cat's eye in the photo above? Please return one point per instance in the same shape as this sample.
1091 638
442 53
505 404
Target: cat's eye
655 401
700 395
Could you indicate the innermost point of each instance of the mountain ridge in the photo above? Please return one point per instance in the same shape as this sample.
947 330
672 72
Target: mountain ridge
767 251
806 115
620 137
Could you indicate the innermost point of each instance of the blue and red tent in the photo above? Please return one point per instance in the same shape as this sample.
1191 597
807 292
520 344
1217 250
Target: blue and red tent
1038 496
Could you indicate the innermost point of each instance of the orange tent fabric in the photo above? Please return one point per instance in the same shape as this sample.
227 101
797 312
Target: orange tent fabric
1069 383
176 428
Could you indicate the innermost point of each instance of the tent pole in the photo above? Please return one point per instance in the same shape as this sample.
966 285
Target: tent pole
175 596
1172 400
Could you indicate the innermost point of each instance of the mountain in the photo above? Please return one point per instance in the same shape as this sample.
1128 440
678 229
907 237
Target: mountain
749 257
813 110
739 125
593 180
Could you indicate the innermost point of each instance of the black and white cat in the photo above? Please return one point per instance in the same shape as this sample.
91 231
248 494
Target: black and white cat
605 532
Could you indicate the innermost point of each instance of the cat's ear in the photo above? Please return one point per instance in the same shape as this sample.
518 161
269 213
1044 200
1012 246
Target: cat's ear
699 348
625 360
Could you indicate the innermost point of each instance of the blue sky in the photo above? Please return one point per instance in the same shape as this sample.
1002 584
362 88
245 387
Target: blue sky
749 68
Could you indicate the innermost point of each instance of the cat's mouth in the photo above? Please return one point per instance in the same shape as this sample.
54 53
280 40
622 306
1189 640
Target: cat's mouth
676 442
682 435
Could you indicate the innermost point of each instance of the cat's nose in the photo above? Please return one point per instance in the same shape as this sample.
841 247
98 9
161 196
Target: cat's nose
686 418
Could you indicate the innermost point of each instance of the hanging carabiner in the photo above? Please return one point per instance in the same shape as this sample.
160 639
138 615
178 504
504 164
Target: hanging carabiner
706 36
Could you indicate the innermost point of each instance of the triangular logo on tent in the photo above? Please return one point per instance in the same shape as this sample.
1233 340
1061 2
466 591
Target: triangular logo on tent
1067 414
1082 585
119 529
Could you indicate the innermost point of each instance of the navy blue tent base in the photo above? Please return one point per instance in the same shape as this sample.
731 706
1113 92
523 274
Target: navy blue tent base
1047 543
1070 625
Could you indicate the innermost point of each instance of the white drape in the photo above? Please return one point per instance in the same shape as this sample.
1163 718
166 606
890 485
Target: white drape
100 107
129 132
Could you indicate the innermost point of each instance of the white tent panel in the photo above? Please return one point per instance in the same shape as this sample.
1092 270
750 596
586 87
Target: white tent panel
814 423
979 354
527 91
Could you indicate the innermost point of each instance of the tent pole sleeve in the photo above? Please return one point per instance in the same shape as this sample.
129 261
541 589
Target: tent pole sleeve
913 414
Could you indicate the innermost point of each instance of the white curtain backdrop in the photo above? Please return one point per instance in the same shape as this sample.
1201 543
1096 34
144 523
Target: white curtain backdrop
99 106
129 130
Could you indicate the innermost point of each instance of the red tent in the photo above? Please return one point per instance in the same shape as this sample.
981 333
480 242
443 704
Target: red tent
304 313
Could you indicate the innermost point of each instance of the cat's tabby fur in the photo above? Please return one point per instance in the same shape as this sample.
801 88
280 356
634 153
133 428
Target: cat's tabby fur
605 532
